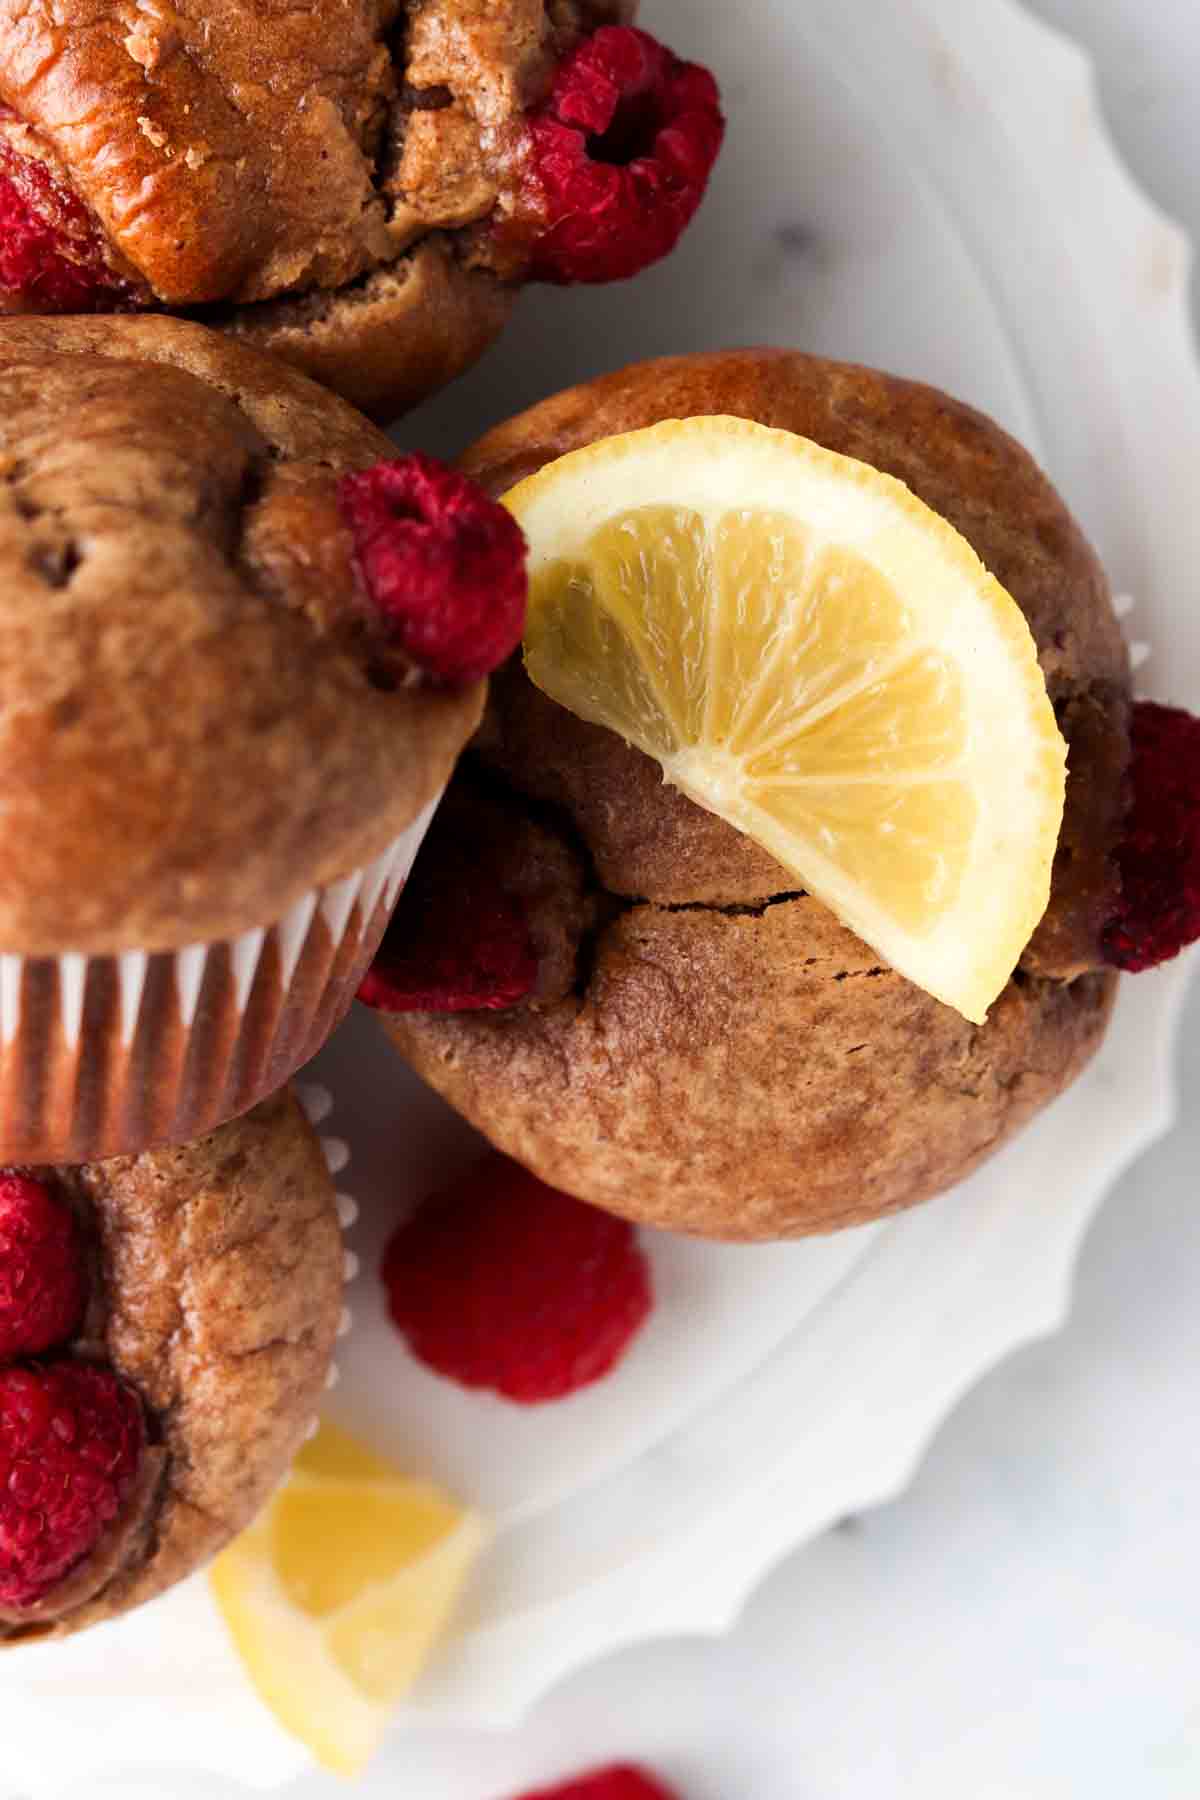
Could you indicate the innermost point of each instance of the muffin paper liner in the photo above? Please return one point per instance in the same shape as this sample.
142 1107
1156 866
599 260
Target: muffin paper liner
316 1102
100 1055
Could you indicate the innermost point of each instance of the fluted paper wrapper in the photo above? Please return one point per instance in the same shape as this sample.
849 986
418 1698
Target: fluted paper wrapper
100 1055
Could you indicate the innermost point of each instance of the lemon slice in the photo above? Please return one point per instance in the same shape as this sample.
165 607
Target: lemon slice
337 1592
818 658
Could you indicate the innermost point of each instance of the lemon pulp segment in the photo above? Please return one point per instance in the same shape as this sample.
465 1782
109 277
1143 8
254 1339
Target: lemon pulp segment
338 1591
814 655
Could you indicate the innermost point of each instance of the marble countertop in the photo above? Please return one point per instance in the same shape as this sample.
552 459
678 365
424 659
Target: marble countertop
1024 1624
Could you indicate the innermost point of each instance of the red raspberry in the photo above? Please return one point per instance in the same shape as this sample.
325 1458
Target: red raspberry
444 566
71 1439
621 1781
622 151
501 1282
41 1268
456 942
51 249
1159 857
474 956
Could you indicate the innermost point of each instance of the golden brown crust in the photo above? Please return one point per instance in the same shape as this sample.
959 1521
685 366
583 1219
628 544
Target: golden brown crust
968 470
194 134
754 1074
390 339
256 152
256 148
727 1059
192 734
218 1297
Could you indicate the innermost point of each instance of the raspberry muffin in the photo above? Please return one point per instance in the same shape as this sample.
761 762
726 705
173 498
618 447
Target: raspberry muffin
240 655
631 997
166 1324
360 188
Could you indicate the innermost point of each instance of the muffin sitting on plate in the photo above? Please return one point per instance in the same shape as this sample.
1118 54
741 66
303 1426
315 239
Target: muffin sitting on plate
243 644
860 934
359 188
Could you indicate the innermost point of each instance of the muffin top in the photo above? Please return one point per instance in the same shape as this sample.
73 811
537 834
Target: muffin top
649 840
197 722
676 1031
213 1284
238 152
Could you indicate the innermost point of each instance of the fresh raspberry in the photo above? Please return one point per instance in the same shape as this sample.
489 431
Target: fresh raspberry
621 1781
51 249
621 152
501 1282
456 942
71 1439
1159 857
444 566
41 1268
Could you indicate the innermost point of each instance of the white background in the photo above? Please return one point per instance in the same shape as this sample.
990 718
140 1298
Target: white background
1025 1623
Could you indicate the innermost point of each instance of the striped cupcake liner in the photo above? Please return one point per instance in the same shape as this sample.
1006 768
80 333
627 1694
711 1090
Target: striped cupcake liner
100 1055
317 1104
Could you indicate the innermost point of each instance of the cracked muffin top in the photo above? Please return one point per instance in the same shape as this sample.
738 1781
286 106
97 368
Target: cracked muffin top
354 184
208 1292
239 152
651 841
674 1031
202 715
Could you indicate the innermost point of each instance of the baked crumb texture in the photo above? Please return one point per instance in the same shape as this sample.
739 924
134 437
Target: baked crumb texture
351 194
215 1283
188 659
707 1049
213 787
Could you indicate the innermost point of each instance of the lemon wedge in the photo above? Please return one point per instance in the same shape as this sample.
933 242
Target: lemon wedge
813 654
337 1592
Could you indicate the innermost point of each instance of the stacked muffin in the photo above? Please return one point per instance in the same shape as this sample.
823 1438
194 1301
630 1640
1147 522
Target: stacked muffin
218 761
241 646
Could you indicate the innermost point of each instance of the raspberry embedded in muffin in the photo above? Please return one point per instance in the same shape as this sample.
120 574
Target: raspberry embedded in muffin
71 1441
495 911
456 943
622 153
368 214
1158 913
442 565
42 1283
164 1413
462 937
52 251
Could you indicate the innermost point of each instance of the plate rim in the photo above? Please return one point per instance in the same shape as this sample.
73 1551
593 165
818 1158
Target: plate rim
1060 69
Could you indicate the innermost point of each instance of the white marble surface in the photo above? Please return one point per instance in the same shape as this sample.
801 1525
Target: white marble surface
1025 1623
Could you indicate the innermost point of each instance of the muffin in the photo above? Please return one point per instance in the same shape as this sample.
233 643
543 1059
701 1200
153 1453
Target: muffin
166 1326
359 188
219 743
690 1041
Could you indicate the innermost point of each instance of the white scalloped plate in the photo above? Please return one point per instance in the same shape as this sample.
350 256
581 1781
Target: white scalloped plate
927 186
